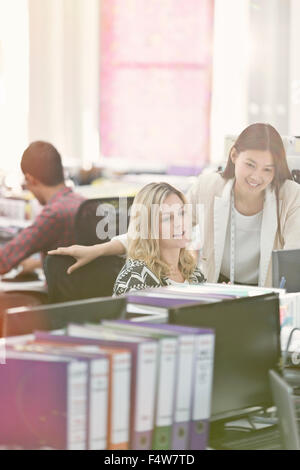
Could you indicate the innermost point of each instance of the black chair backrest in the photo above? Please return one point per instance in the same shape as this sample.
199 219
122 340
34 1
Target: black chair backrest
98 220
95 279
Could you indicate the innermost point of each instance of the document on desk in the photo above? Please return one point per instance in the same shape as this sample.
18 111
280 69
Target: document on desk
33 286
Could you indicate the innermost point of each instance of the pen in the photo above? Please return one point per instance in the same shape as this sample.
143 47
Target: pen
282 282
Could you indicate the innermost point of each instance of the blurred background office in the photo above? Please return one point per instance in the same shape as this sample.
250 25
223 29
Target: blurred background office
147 85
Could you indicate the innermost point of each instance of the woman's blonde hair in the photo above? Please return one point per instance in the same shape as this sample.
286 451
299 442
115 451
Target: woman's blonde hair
143 231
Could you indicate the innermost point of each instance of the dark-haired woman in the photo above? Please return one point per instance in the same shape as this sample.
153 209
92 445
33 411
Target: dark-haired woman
250 209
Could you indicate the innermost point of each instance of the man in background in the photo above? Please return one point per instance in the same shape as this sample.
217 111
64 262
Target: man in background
54 226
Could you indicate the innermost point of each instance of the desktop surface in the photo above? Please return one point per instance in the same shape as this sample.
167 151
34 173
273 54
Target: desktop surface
266 438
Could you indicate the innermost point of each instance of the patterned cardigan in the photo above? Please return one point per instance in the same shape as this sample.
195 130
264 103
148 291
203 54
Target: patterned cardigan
136 275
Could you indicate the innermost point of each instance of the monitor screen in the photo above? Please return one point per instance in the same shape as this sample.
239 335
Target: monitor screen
286 269
247 346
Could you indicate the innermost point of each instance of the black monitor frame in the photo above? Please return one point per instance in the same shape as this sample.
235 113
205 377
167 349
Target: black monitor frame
216 316
25 320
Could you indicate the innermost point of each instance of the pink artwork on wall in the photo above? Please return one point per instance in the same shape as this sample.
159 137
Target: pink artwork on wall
156 60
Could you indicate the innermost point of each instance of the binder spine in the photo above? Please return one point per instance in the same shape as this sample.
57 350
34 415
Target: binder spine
98 401
77 405
120 401
165 394
201 403
183 394
141 435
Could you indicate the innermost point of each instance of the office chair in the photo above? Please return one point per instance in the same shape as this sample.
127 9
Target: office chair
296 175
97 221
95 279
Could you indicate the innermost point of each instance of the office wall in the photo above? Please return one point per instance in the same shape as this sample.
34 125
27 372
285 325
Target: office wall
52 90
294 69
230 72
156 80
256 69
269 63
64 76
14 82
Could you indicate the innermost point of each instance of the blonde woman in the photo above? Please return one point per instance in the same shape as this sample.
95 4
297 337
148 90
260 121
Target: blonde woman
158 236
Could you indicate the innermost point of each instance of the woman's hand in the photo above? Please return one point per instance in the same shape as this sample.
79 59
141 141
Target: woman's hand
86 254
82 254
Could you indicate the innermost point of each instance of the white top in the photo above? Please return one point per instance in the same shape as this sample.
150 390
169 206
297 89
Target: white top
247 248
123 239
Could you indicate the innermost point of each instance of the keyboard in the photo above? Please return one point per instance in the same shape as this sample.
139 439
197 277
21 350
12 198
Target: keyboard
262 439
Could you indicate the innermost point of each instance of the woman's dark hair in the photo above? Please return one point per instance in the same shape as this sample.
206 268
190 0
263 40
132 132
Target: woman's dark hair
263 137
43 161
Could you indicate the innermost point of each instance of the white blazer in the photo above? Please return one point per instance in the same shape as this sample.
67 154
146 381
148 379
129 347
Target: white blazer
211 197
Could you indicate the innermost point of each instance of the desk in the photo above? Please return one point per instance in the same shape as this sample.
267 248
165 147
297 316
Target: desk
31 286
20 294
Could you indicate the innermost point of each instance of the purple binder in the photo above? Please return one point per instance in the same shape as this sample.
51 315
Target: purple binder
166 302
138 440
161 296
34 404
55 350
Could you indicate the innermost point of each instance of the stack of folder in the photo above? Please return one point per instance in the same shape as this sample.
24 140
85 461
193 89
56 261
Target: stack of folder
116 385
141 305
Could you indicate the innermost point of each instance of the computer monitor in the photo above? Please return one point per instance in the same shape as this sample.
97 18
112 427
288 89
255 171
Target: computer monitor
286 269
25 320
285 402
247 346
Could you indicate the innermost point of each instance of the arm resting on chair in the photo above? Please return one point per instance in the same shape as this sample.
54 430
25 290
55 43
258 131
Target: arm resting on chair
85 254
